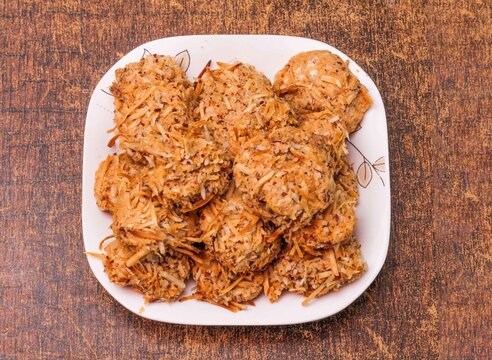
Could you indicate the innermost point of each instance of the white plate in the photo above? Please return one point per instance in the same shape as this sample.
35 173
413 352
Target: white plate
370 154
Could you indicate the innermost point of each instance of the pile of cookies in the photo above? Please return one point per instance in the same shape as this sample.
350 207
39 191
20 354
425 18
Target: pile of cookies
239 183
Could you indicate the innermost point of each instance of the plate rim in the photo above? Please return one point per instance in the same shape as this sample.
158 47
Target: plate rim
284 321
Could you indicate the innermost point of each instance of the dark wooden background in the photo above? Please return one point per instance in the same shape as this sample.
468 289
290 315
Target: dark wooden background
432 64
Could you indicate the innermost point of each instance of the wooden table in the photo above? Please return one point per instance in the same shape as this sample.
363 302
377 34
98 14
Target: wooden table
432 65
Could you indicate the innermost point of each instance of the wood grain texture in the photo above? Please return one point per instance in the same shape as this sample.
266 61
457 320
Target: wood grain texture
432 64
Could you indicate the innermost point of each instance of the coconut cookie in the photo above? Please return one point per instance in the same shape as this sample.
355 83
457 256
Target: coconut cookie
285 177
336 224
314 276
237 102
317 81
217 285
239 239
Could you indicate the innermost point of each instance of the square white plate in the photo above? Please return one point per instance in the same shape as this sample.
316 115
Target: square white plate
369 156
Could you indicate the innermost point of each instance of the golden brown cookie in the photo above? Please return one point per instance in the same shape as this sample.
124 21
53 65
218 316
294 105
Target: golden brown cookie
158 276
313 276
354 113
336 224
139 219
237 238
217 285
317 81
116 174
195 169
285 177
237 102
151 97
333 134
